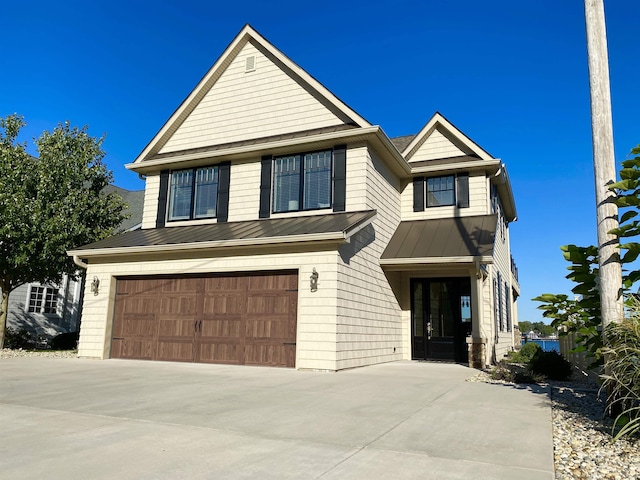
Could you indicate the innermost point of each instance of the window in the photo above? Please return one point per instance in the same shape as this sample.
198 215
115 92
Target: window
43 300
302 182
507 300
440 191
193 194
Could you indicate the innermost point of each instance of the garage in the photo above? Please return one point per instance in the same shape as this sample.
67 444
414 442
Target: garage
239 319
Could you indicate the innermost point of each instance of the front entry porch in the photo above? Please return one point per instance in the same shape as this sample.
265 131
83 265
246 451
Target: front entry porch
440 318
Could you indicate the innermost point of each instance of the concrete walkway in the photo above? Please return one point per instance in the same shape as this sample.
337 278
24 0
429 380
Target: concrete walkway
117 419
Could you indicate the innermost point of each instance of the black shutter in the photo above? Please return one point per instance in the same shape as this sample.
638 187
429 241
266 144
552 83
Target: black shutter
339 178
462 190
265 187
224 176
162 198
418 194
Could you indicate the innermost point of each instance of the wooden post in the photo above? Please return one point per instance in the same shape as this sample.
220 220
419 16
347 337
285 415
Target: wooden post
603 163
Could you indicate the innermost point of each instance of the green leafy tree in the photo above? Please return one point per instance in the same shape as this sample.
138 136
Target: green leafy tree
50 204
581 315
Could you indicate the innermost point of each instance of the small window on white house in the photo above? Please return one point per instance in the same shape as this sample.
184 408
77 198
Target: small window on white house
441 191
43 300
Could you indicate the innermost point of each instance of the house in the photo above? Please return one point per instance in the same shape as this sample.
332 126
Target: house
282 228
48 310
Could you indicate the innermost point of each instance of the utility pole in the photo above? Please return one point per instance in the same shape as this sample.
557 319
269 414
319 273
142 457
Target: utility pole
604 164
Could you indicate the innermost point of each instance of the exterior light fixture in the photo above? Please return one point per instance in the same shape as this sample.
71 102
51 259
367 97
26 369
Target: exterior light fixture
95 284
313 280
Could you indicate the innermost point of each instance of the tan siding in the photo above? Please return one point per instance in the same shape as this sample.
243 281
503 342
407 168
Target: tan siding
436 146
242 106
244 191
150 209
316 348
369 321
478 202
356 196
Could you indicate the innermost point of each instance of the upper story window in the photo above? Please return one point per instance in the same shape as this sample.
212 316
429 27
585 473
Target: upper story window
302 182
193 193
43 300
441 191
446 190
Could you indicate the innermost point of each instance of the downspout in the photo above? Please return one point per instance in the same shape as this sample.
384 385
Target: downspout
83 265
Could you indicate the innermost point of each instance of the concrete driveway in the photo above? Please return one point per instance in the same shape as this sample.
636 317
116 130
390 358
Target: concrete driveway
118 419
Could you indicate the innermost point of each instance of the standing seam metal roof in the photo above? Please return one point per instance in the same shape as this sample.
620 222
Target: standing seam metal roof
246 230
446 237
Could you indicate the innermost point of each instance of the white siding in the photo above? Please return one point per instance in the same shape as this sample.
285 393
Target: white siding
246 105
244 191
316 346
478 202
369 320
436 146
150 209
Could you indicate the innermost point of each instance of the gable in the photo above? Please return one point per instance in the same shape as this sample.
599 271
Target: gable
244 105
436 146
439 139
252 94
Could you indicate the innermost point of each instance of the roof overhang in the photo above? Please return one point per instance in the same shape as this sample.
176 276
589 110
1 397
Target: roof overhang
447 241
373 135
330 229
503 184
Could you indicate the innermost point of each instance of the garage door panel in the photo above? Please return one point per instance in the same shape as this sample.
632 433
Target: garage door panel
137 287
175 351
221 327
223 351
223 303
178 305
131 348
136 325
176 327
224 284
183 285
233 319
269 354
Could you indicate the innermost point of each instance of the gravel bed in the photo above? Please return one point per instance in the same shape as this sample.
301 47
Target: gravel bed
583 447
7 353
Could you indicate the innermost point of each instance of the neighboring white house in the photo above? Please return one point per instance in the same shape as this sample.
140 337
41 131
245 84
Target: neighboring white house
48 310
282 228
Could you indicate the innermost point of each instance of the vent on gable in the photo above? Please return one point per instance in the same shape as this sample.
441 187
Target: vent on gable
250 64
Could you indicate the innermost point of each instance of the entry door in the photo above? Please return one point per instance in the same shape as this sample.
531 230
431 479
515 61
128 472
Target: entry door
441 318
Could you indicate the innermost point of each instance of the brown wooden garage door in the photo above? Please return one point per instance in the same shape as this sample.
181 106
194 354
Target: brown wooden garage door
244 319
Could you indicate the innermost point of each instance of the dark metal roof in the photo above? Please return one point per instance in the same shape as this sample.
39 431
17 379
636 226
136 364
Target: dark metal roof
447 237
237 232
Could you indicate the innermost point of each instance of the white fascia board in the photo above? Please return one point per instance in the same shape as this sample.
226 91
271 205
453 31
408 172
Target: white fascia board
434 260
353 135
490 165
329 238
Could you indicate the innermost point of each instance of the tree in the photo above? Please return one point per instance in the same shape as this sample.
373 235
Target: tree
582 315
50 204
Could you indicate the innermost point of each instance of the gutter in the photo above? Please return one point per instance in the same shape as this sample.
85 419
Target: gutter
77 261
485 259
331 237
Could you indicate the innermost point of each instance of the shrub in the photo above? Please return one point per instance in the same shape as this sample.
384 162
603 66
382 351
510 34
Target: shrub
550 364
622 375
15 338
525 354
65 341
510 372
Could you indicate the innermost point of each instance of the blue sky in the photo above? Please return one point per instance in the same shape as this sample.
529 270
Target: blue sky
511 75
